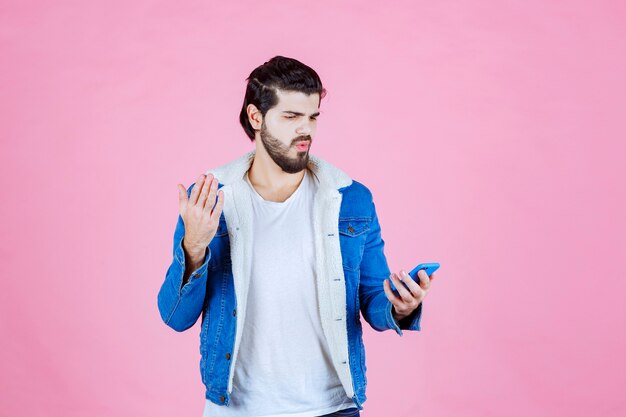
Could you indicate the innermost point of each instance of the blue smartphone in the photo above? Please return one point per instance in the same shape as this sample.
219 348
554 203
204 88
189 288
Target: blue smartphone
429 267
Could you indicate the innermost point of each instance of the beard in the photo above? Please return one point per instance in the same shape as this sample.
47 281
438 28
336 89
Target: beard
280 153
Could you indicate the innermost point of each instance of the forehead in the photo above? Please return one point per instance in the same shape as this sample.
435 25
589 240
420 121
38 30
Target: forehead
297 101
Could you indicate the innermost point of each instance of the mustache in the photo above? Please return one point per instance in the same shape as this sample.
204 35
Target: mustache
301 138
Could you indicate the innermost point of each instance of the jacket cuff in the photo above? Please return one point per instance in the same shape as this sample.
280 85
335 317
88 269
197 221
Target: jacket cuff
179 255
410 322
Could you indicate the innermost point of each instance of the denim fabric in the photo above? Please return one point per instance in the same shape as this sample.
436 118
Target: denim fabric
347 412
210 293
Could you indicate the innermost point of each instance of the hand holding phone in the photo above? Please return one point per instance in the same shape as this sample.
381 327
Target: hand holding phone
429 267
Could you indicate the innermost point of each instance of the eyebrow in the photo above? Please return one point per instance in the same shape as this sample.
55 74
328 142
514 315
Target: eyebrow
300 114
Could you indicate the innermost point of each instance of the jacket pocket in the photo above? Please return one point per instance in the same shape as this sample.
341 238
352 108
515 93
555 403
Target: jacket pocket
352 235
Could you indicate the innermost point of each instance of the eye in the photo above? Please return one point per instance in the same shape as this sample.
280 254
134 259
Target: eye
290 117
313 118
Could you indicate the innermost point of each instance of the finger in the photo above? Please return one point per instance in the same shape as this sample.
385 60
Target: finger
182 197
206 192
195 191
404 293
414 287
424 280
217 211
390 295
210 200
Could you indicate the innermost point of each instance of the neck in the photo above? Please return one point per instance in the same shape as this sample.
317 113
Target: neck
266 174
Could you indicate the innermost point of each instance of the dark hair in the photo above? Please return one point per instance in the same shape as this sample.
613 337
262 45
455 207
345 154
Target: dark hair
279 73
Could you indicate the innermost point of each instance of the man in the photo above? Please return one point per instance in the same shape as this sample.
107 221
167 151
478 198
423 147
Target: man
280 251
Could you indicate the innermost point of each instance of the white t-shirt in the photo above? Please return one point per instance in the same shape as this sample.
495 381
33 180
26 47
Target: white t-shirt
283 367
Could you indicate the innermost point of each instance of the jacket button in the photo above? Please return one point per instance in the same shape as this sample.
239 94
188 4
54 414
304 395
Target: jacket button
222 399
350 229
234 312
228 356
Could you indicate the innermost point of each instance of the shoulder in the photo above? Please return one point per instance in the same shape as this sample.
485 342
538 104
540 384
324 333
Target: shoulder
356 190
356 201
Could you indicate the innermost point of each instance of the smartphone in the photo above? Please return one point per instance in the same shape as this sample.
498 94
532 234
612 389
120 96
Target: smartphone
429 267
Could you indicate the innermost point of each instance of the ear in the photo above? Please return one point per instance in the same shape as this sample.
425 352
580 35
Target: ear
254 116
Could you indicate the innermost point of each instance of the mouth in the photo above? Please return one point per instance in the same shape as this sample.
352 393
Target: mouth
303 145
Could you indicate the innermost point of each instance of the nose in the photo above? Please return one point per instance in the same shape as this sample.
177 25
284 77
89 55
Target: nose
304 129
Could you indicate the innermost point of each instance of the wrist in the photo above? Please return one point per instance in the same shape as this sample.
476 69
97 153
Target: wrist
397 316
194 252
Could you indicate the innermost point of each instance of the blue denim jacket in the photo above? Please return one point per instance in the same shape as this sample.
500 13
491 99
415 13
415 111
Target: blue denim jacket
350 270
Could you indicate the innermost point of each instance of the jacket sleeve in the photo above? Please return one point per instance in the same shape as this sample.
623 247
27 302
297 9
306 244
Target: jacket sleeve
180 306
375 306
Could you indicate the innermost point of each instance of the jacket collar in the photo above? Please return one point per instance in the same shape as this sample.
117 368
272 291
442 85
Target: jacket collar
327 174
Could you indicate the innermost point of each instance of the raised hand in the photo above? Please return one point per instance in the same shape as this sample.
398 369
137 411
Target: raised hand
200 218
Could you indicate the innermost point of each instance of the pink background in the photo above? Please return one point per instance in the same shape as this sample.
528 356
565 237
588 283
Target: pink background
491 134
